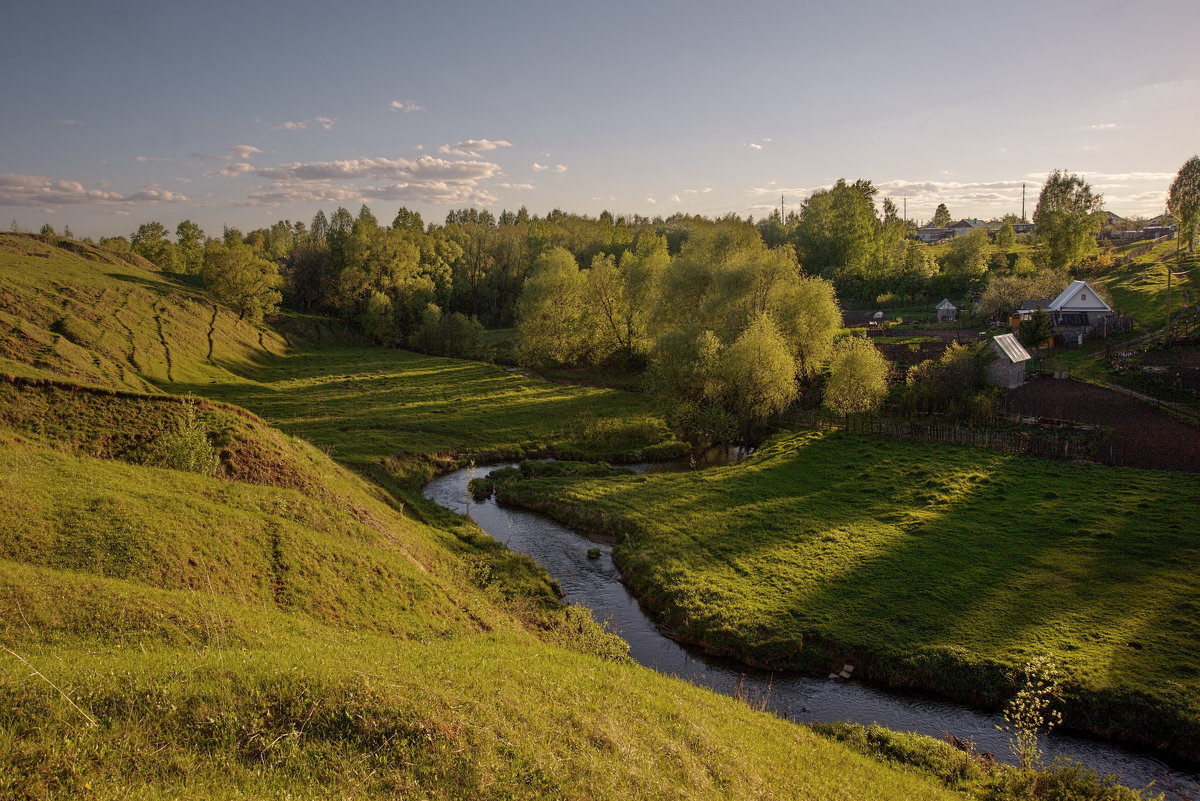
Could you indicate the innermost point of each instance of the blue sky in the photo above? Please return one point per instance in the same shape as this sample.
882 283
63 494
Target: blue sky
117 113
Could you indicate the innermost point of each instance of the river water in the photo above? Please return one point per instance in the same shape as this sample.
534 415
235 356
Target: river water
596 584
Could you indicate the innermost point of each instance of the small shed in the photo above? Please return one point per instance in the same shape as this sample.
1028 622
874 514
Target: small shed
1007 369
947 312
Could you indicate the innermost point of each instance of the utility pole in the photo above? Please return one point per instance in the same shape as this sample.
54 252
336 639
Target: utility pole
782 216
906 209
1023 202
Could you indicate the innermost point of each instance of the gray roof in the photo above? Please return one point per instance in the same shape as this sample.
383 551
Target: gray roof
946 304
1065 298
1011 348
1030 305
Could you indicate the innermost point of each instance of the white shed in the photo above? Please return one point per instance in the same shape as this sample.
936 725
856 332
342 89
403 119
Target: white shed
947 312
1008 368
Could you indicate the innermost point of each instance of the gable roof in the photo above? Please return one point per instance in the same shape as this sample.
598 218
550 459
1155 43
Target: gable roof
1013 350
1032 305
1079 296
968 223
946 304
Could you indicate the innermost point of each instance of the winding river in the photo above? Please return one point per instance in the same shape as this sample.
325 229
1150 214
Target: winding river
596 584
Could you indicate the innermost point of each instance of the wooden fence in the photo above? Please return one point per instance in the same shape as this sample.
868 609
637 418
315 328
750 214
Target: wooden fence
1050 439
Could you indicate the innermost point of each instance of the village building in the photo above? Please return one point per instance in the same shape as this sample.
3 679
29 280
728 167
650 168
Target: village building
1075 314
947 312
1007 369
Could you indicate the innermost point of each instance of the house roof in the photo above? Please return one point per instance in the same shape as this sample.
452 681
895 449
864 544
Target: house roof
946 304
968 223
1011 348
1079 296
1031 305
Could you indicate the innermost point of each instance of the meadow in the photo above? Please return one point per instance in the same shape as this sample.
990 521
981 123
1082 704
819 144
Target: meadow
938 567
286 628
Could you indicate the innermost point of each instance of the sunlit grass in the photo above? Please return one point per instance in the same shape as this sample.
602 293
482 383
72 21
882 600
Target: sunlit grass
939 565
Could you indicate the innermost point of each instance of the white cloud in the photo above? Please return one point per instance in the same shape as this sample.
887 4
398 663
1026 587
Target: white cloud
754 146
539 167
473 147
150 159
428 192
519 187
425 179
423 168
651 201
39 190
243 151
183 180
1103 126
560 167
302 125
231 170
676 199
401 105
703 191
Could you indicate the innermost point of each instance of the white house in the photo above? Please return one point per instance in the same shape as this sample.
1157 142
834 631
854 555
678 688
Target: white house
1008 368
947 312
1078 306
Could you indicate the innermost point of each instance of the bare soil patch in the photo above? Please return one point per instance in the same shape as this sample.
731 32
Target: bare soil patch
1141 436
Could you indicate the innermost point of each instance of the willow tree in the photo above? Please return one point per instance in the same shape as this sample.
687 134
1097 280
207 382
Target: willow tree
857 377
1183 200
552 316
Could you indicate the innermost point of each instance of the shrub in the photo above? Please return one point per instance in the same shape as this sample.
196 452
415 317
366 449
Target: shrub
186 448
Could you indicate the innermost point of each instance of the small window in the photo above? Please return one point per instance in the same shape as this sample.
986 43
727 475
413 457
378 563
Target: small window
1083 296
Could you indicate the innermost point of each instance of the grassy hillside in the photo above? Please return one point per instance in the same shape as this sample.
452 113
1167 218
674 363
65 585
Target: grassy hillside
284 628
97 317
365 405
933 566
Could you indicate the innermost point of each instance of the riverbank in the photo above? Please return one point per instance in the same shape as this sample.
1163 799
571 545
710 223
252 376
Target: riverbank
928 567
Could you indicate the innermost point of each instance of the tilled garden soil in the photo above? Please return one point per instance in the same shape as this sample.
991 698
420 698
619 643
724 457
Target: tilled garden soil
1142 436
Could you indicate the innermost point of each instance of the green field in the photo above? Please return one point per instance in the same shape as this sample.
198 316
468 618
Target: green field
367 404
287 629
927 565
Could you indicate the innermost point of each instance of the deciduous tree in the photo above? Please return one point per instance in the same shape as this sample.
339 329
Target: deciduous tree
1183 200
241 278
857 380
1067 216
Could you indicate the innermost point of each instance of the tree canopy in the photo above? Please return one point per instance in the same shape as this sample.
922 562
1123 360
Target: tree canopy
1183 200
1067 216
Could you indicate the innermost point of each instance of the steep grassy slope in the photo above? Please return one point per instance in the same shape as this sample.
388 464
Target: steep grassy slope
934 566
286 629
93 316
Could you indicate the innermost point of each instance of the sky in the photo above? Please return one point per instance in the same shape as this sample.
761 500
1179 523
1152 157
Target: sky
118 113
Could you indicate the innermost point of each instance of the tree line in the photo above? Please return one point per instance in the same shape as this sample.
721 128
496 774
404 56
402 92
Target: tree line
729 318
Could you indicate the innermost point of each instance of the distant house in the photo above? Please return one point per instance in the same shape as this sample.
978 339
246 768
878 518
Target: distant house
1007 369
929 234
965 226
947 312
